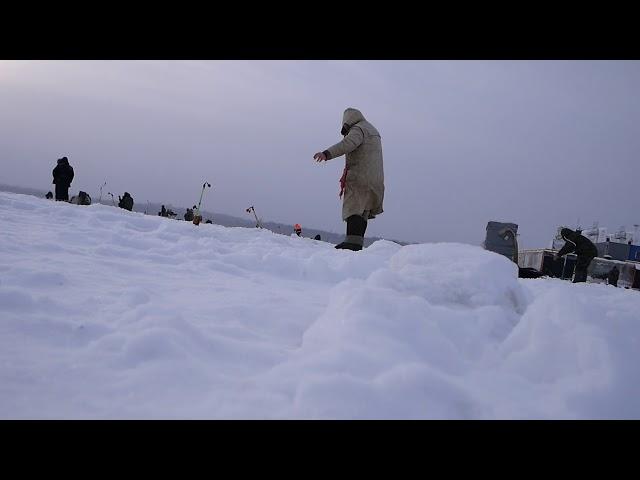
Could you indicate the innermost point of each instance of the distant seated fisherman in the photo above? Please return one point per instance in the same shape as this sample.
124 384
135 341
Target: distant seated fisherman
83 198
582 247
126 201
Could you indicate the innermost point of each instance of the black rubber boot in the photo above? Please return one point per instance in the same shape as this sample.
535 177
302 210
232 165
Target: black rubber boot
349 246
356 226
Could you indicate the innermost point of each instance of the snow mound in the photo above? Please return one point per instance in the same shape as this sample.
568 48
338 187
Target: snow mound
106 313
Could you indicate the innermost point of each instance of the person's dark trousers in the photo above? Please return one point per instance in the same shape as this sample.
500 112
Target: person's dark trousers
582 264
62 192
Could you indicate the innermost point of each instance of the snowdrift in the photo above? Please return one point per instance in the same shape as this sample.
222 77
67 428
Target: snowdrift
106 313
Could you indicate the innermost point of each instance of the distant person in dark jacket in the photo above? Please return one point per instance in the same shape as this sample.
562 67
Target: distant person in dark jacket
188 216
163 212
583 248
126 201
317 237
612 277
62 178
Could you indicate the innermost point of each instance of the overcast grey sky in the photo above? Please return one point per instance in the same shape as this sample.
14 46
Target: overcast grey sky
538 143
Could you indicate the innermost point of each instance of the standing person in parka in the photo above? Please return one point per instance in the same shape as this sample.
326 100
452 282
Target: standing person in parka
62 178
583 248
362 181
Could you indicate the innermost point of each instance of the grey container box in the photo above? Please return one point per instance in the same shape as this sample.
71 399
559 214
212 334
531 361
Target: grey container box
618 251
499 240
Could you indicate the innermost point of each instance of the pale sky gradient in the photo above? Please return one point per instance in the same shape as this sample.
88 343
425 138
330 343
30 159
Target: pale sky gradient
538 143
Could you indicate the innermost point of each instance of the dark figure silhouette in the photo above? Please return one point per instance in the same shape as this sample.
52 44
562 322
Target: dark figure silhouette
126 201
584 249
62 178
613 276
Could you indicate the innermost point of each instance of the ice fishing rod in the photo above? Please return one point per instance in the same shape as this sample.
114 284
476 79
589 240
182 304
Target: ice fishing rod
204 185
251 209
101 191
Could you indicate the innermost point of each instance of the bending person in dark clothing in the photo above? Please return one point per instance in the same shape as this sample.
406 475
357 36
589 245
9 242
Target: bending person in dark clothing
583 248
62 178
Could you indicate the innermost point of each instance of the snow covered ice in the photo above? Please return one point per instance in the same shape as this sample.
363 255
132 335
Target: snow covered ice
106 313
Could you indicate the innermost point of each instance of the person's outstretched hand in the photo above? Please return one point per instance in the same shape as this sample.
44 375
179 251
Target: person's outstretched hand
320 157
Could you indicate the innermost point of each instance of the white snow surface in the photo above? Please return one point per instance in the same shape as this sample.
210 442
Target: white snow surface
111 314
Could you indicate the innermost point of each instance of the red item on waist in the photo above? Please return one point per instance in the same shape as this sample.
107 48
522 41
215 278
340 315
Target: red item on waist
343 181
